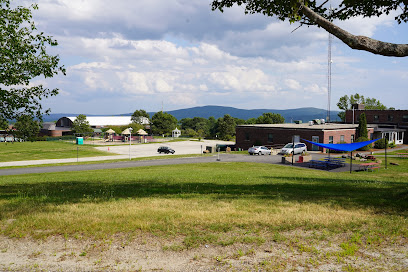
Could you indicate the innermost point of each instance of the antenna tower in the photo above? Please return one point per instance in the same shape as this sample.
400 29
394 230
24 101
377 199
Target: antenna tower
329 63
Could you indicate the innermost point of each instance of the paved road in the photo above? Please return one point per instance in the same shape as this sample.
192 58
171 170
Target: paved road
122 152
127 164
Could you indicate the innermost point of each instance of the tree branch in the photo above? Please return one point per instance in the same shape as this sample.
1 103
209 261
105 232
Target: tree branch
357 42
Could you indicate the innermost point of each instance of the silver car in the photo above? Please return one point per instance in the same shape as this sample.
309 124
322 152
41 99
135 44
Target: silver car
260 150
288 149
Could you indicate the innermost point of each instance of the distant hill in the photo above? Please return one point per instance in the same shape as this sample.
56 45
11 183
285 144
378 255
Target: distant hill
304 114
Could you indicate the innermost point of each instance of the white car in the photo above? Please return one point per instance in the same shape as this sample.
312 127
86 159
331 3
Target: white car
288 149
260 150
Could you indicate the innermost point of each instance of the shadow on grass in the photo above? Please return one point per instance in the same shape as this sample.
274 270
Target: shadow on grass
388 198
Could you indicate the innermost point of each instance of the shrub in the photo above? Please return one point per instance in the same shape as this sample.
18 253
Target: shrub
380 144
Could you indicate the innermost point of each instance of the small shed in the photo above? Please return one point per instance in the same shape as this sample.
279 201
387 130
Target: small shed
176 133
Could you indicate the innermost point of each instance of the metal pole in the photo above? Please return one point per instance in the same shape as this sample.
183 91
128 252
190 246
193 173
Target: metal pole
130 142
293 146
386 143
351 160
77 153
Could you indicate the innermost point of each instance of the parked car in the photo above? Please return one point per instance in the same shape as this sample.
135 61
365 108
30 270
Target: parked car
288 149
165 149
260 150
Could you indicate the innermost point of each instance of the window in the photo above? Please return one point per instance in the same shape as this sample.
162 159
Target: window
376 118
390 118
330 139
342 138
246 136
405 118
270 138
352 138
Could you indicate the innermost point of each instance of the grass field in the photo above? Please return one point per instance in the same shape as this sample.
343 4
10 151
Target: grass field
219 204
45 150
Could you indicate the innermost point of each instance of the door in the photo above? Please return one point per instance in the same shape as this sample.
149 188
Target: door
315 139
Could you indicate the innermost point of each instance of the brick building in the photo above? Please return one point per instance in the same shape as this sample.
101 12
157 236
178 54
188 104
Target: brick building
390 124
279 134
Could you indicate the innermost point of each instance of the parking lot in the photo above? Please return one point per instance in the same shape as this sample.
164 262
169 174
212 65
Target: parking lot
147 150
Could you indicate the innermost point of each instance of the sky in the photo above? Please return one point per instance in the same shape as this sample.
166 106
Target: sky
126 55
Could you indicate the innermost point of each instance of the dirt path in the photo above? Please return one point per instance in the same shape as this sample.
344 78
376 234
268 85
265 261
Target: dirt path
150 253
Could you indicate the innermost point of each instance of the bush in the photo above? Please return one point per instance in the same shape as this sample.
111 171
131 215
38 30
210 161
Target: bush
41 138
392 145
380 144
364 148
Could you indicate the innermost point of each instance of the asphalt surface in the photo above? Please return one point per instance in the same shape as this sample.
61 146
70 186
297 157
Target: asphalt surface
273 159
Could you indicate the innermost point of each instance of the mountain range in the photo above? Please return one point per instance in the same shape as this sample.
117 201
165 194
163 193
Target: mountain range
303 114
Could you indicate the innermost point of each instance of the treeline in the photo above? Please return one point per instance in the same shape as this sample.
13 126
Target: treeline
223 128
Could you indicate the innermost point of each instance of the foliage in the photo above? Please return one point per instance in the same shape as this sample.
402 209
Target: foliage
270 118
23 57
137 116
27 128
364 148
3 124
163 123
81 125
345 103
380 144
322 15
362 126
135 127
226 127
199 125
250 121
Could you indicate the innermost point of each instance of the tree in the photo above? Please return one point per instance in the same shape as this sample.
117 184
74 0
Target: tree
345 103
314 13
137 116
226 127
163 123
23 57
81 125
27 128
270 118
3 124
362 126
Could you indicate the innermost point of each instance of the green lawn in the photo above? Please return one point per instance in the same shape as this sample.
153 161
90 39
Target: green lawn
333 218
205 203
45 150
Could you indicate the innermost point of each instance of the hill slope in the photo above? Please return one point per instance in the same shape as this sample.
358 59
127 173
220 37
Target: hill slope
304 114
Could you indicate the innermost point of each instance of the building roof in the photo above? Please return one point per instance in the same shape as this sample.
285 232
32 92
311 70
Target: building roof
326 126
98 121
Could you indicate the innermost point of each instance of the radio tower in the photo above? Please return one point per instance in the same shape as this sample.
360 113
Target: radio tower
329 63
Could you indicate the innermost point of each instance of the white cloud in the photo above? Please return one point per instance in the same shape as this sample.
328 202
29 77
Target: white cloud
181 52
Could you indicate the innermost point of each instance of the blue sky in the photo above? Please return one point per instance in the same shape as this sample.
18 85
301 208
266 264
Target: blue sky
126 55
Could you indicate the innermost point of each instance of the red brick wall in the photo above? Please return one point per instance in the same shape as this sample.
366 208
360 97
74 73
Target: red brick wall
284 136
382 116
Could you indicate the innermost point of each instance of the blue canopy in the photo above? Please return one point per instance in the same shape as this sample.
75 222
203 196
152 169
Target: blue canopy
344 147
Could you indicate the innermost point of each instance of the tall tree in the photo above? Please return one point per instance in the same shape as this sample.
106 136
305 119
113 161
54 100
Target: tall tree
81 125
345 103
270 118
226 127
23 57
317 13
163 123
362 126
27 128
137 116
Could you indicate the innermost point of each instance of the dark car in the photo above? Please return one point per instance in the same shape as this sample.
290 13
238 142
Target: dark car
165 149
